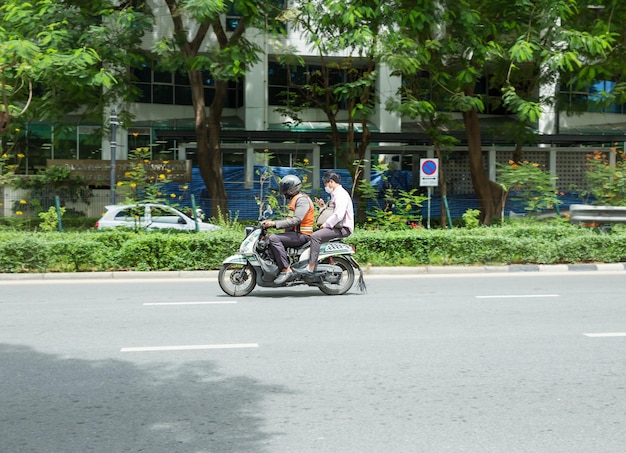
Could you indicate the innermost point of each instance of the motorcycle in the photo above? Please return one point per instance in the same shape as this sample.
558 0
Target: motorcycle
254 265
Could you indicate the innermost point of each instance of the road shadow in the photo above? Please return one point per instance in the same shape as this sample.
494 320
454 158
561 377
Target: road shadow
53 404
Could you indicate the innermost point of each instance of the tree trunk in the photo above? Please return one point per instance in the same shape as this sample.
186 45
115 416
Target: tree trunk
489 193
208 142
443 187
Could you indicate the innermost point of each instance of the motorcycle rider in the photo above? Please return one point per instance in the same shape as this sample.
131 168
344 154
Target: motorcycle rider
298 225
343 215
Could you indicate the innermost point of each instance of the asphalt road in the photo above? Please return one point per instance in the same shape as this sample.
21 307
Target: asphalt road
522 362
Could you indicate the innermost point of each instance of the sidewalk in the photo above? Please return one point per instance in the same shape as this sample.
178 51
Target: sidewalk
417 270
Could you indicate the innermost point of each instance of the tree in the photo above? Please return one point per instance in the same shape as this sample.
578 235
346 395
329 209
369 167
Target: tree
57 56
343 88
200 44
518 45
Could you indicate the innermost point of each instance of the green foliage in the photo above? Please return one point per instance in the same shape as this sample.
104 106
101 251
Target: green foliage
607 183
530 184
9 163
535 243
516 46
519 244
142 183
69 52
54 180
79 253
402 210
49 219
471 218
178 251
24 253
527 111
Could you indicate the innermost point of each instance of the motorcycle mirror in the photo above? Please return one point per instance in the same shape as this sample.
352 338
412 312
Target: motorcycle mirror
266 211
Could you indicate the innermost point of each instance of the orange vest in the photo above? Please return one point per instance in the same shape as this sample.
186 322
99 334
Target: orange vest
306 226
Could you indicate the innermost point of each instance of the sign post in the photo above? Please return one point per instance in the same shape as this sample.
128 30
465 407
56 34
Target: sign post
113 122
429 177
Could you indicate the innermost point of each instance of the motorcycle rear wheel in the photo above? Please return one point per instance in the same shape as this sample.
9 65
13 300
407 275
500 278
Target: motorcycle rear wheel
237 279
346 279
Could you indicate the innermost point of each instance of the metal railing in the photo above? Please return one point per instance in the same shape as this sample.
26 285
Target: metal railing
584 213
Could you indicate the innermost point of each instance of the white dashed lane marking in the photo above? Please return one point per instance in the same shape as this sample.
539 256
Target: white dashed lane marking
192 347
517 296
190 303
605 334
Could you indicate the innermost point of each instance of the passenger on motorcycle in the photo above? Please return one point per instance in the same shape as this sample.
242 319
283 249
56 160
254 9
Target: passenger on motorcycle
298 226
343 215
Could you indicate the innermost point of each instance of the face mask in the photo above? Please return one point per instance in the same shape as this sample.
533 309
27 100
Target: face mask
328 189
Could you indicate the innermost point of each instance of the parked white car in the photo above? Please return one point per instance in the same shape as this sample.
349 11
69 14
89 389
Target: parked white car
149 216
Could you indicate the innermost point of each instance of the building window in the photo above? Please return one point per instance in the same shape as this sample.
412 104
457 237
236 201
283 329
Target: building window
37 143
280 89
166 88
233 16
593 98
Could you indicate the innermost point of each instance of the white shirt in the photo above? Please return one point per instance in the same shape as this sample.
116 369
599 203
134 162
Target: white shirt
344 210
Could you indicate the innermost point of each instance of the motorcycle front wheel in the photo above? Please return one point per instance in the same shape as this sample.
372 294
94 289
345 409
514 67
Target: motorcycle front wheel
237 279
336 284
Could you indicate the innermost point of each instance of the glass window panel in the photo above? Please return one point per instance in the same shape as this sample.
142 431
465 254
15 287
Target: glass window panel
579 100
144 93
90 146
277 74
181 78
65 150
183 95
163 94
335 76
208 79
162 77
232 22
137 141
209 95
231 99
299 75
275 97
143 74
236 158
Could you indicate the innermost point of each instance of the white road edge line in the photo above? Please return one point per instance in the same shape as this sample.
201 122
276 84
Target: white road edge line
607 334
189 303
192 347
513 296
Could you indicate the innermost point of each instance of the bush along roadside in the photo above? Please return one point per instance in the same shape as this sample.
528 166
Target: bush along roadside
151 251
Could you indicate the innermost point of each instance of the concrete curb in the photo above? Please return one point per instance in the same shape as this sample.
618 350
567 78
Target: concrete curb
417 270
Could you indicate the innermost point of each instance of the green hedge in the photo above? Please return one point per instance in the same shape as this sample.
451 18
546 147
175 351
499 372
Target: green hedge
128 250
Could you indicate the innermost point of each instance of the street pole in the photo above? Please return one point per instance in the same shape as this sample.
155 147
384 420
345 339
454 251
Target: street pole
114 123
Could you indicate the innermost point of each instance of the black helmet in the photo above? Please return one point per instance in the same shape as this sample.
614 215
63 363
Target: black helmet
290 185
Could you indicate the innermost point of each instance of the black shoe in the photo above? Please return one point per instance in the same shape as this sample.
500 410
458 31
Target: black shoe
284 277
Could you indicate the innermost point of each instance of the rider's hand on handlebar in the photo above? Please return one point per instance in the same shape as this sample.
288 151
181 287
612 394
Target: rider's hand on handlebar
268 223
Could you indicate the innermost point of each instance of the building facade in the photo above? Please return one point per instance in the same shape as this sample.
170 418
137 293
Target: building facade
165 104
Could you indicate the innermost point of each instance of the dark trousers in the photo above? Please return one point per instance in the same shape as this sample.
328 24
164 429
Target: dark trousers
279 242
324 235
